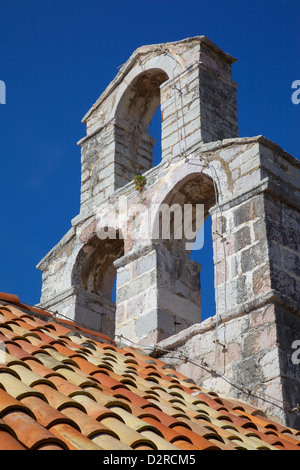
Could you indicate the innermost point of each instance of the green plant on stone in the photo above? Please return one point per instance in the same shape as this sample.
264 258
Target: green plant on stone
139 181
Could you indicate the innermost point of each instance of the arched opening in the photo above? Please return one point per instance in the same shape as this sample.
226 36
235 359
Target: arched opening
97 272
138 125
114 290
154 131
202 253
189 239
94 274
142 98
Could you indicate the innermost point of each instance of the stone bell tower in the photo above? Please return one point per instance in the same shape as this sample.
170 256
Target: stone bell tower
191 80
249 186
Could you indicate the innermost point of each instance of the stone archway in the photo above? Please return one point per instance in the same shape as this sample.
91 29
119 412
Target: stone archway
93 277
93 269
141 98
159 274
135 110
187 195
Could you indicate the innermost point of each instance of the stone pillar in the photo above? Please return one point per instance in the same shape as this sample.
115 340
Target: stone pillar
241 252
158 294
112 157
257 232
97 164
87 309
199 105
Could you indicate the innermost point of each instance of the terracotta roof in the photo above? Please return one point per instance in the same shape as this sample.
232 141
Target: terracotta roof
63 387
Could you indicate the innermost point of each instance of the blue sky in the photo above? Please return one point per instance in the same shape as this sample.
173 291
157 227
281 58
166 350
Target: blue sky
56 58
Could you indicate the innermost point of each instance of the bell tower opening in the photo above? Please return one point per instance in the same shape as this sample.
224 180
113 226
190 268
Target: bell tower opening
185 249
138 125
94 277
155 132
202 253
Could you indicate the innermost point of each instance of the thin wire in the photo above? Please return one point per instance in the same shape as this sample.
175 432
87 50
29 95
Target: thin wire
177 119
203 365
217 196
55 315
218 193
162 48
183 153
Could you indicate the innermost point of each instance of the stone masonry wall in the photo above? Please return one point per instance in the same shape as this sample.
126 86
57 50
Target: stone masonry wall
246 351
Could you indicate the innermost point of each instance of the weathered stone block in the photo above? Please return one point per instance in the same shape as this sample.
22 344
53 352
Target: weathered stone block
254 256
283 236
242 238
137 285
291 262
261 280
284 283
124 276
250 210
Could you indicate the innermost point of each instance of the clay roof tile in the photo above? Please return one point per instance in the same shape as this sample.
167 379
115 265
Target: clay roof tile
60 389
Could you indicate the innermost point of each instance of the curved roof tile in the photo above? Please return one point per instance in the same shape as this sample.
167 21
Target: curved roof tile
60 389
